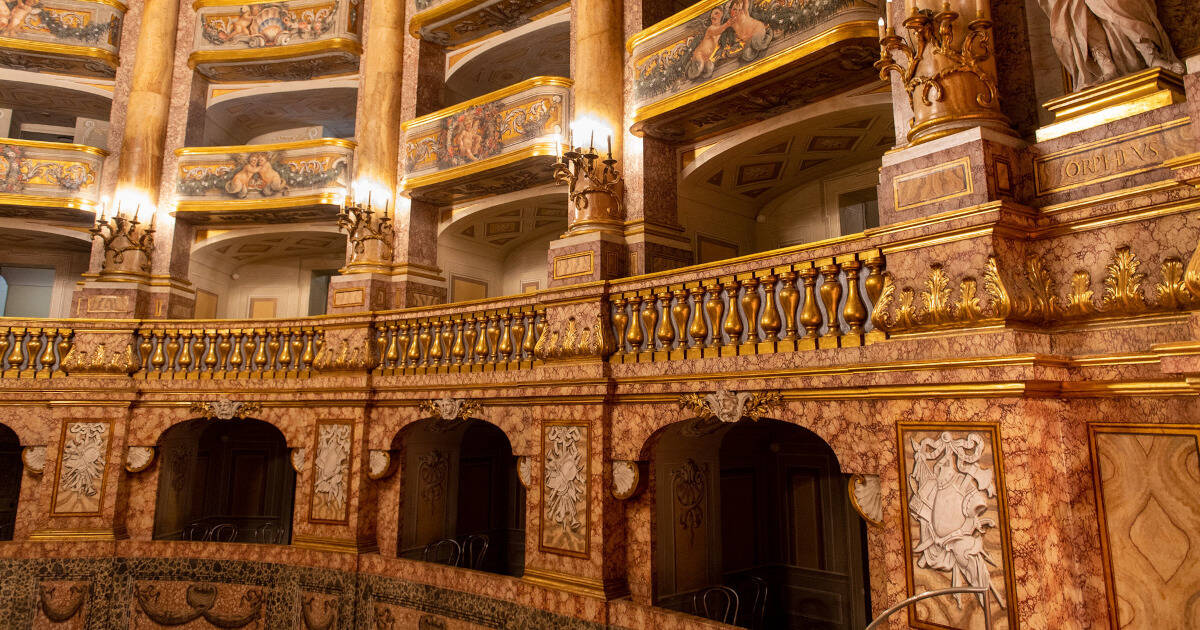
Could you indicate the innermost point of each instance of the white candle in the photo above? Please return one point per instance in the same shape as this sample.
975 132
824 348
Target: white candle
882 30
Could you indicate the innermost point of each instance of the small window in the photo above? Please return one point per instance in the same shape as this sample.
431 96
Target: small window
29 291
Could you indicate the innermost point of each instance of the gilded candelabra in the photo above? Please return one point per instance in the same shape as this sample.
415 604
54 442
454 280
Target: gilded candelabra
121 235
362 226
594 188
949 73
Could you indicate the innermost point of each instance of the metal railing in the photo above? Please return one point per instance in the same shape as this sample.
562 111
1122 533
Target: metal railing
974 590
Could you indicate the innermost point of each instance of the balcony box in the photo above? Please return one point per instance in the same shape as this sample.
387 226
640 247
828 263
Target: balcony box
72 37
720 64
500 142
276 41
267 183
41 180
453 23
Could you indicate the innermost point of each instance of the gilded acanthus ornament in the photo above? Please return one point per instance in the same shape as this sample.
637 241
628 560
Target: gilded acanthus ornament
1079 300
938 308
727 406
1123 283
342 355
561 343
100 361
447 408
226 409
1172 291
1040 302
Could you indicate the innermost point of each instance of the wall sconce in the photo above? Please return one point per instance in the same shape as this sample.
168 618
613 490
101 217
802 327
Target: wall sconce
948 75
593 185
357 217
121 233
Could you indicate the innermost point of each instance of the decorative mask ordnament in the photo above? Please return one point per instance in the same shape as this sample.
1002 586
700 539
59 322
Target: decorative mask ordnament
226 409
727 406
447 408
949 494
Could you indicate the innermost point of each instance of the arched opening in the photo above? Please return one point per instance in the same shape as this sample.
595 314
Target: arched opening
462 504
756 513
10 480
224 481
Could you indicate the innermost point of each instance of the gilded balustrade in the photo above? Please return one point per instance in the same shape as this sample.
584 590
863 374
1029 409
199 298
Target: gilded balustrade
487 340
277 40
243 350
817 303
34 351
71 37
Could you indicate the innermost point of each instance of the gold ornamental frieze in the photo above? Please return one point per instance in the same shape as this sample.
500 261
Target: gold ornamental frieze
722 63
455 23
73 37
276 41
1034 294
296 181
500 142
50 175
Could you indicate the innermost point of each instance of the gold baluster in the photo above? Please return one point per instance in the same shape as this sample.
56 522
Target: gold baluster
619 319
855 310
699 328
874 281
435 352
481 346
4 345
733 323
715 308
789 299
649 317
185 359
518 336
459 351
48 355
210 357
35 347
680 312
261 359
235 352
831 294
447 333
469 335
310 353
493 335
64 347
413 356
631 327
144 349
506 344
159 358
531 338
197 337
665 332
810 314
423 338
750 305
402 339
173 346
18 354
284 360
770 316
392 353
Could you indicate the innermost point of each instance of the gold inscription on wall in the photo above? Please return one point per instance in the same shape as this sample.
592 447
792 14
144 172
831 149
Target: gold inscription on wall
936 183
1126 154
572 265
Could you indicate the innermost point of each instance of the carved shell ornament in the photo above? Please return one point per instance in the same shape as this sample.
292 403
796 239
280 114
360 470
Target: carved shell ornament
525 470
866 497
625 478
727 406
379 464
34 458
298 454
138 458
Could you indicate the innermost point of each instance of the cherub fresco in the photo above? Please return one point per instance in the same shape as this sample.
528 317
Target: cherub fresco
472 135
269 24
255 172
13 15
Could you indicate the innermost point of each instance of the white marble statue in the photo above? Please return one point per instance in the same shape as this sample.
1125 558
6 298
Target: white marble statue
1101 40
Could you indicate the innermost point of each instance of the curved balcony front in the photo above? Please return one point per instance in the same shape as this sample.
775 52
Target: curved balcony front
72 37
500 142
276 41
453 23
43 179
720 64
275 183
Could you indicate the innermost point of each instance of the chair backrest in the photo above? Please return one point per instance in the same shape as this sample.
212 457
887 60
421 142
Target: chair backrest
756 588
224 532
269 534
444 551
195 531
719 603
474 549
980 592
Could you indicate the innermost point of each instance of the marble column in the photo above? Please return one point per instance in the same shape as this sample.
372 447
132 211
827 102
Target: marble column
121 287
594 246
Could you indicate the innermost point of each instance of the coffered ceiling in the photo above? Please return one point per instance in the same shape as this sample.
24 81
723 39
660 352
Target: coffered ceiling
542 52
506 226
237 120
227 249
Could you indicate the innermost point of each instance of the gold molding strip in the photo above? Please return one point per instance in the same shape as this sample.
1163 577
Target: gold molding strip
611 588
73 535
48 201
466 170
61 146
107 57
273 203
505 92
336 545
275 53
276 146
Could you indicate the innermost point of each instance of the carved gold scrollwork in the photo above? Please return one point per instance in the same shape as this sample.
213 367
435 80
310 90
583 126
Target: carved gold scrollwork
1040 302
1172 291
561 343
936 297
1123 283
1079 300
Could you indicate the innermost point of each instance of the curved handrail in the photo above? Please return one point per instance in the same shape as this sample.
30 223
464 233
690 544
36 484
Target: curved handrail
978 590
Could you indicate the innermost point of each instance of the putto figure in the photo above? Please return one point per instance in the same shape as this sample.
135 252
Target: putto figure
1101 40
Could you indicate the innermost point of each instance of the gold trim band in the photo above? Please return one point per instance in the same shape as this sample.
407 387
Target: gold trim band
109 58
276 146
504 159
515 88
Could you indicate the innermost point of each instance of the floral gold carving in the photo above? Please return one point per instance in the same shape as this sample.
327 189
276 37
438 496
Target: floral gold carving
867 498
1172 290
138 458
565 489
936 297
80 484
34 458
1040 302
331 472
226 409
1079 300
447 408
100 361
727 406
343 355
1123 283
568 342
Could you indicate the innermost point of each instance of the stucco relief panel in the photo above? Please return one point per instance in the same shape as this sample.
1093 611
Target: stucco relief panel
565 488
79 482
331 472
956 532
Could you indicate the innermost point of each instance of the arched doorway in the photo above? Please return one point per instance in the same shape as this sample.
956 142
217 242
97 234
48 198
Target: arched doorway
224 481
10 480
462 501
760 508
